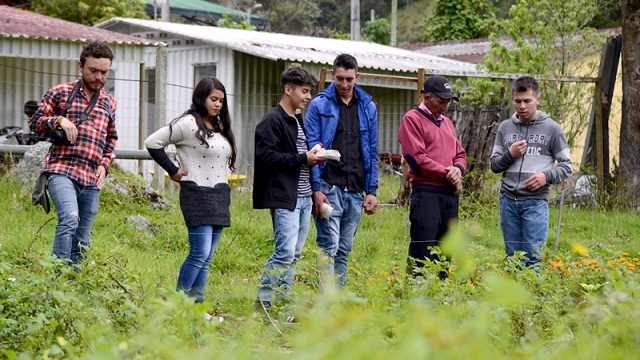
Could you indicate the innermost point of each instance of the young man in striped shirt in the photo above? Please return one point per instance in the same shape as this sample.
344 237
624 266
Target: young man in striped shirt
77 165
282 182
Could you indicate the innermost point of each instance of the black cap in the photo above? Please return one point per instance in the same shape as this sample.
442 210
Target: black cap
439 85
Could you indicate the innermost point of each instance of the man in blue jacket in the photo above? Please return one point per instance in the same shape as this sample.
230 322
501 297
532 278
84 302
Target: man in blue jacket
343 117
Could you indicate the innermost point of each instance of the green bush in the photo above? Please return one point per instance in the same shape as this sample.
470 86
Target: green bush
582 303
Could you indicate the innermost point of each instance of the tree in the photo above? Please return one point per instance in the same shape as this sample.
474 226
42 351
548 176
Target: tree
550 37
460 20
226 22
89 12
290 16
629 170
378 31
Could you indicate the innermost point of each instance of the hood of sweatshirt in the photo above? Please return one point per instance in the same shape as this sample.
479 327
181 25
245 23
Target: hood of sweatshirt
542 116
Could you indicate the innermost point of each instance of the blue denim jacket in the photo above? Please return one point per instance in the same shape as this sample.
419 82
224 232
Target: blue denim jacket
322 120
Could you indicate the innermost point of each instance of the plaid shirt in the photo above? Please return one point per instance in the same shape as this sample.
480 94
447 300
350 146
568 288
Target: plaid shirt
96 136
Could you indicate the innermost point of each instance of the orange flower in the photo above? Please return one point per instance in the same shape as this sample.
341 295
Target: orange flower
384 273
469 281
351 268
391 278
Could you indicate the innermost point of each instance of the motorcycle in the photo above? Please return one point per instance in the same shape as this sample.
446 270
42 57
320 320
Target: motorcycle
32 138
15 135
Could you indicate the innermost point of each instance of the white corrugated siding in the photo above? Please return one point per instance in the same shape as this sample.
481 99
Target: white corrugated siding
29 67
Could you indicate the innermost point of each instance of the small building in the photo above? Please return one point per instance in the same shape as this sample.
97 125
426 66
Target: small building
249 63
38 52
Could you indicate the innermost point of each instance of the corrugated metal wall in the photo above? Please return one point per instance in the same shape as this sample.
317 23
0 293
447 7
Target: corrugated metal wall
23 79
29 67
257 85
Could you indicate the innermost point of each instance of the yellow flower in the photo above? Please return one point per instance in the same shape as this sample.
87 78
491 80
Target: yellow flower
397 268
625 254
391 278
371 279
580 249
558 258
351 268
384 273
469 281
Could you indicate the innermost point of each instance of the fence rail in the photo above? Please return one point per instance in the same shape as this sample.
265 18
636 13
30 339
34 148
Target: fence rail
120 154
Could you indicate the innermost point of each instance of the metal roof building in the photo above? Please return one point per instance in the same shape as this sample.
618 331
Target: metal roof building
38 52
249 63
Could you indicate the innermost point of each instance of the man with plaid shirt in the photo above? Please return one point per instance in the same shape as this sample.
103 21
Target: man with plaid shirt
77 165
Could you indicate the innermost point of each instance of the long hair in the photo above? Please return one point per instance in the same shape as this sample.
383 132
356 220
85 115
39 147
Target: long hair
198 110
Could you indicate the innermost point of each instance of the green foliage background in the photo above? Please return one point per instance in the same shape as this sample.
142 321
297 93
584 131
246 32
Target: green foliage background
90 12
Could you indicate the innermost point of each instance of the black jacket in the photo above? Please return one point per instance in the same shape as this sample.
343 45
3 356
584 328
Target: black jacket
277 161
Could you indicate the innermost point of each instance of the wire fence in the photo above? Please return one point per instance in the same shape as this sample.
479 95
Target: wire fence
20 83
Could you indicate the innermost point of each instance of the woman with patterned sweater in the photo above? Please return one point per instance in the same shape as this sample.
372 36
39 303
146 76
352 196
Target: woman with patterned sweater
206 153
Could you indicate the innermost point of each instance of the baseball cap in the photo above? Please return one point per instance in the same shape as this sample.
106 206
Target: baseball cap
439 85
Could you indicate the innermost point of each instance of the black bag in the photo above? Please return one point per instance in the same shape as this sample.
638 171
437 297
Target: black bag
39 195
58 136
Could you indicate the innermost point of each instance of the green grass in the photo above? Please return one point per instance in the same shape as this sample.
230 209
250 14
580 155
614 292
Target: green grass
123 304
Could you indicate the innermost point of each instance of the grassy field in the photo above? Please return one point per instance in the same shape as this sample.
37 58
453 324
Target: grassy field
584 303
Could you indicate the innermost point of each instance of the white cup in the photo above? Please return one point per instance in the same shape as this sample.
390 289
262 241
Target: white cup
326 211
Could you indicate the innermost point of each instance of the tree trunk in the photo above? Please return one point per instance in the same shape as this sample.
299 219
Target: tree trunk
630 125
477 132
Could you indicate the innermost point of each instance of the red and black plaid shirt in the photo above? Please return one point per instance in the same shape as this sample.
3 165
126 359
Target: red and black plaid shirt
96 136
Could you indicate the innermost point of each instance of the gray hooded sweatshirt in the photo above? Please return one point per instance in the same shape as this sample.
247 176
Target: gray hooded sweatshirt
546 144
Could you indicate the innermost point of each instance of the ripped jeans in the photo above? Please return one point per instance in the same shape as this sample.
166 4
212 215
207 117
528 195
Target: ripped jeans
77 207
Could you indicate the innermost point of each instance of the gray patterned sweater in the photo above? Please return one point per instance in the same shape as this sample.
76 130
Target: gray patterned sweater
546 144
204 192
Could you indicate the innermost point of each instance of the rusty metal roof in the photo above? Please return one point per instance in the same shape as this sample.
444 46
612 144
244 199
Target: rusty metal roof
296 48
472 51
15 23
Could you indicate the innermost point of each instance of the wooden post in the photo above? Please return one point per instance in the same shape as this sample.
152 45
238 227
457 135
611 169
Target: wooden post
142 115
421 78
161 107
323 79
599 140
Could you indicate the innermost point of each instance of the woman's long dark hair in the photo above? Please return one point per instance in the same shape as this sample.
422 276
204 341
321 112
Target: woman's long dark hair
198 110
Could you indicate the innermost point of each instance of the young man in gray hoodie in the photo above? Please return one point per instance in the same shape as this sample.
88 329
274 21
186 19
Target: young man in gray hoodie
525 151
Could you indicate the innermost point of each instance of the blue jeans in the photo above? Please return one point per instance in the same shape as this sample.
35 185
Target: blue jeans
195 268
524 224
290 228
335 235
77 207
